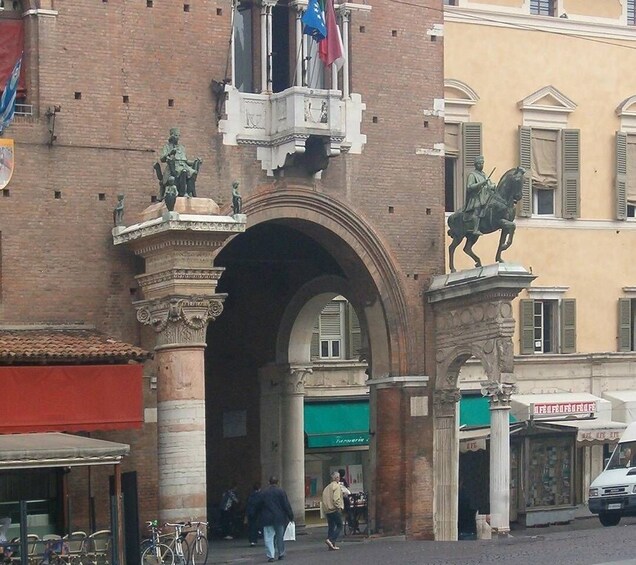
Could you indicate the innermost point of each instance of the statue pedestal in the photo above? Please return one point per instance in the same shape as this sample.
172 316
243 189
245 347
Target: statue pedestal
183 205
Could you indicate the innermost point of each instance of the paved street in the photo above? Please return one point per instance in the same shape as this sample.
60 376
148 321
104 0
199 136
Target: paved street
584 542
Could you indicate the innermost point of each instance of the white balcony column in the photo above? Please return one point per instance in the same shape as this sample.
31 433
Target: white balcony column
334 77
301 43
266 45
232 53
499 395
346 17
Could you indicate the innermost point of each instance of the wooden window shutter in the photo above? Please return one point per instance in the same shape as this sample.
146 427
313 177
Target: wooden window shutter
330 323
525 161
568 325
471 148
527 326
624 324
354 342
571 173
620 181
315 339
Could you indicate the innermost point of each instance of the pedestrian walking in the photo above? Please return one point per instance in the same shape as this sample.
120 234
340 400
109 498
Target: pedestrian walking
274 513
252 515
333 505
228 502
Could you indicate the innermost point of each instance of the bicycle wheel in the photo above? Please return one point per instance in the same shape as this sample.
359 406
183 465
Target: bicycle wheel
160 554
181 552
199 551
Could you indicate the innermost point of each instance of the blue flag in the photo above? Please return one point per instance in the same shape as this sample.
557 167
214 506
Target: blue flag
314 20
7 101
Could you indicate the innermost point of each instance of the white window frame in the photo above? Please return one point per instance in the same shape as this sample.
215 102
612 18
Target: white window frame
331 339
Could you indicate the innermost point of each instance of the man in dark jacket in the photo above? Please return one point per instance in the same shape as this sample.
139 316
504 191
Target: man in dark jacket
274 513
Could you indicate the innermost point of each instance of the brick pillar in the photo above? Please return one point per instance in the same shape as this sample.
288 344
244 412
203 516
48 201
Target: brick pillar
180 325
401 495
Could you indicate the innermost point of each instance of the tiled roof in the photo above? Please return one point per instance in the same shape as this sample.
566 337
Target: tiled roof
64 345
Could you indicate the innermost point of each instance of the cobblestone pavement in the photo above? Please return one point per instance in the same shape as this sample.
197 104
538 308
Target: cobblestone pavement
583 542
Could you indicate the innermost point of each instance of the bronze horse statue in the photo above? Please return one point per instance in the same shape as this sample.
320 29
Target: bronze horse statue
498 214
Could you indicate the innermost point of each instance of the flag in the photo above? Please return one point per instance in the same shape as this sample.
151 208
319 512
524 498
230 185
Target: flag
331 49
7 101
314 20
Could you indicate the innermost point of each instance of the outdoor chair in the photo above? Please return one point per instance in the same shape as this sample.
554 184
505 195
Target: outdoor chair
76 543
99 547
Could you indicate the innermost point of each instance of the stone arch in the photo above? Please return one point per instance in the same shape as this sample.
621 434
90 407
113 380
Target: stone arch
378 290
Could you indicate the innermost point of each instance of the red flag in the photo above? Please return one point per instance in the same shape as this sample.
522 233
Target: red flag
330 49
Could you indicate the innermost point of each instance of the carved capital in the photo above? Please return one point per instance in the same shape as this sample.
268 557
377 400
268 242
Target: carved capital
180 320
498 393
445 401
294 381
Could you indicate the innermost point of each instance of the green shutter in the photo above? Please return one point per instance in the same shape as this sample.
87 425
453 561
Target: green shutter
330 322
571 173
525 161
526 310
620 181
471 148
624 324
315 340
568 325
354 341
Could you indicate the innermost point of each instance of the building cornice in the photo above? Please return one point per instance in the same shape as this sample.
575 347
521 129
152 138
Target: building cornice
527 22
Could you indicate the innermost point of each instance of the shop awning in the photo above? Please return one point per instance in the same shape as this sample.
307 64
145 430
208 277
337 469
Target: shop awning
623 405
337 424
591 431
21 451
559 406
475 439
70 398
474 411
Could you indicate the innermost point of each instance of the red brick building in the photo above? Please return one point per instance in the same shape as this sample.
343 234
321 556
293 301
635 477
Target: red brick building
341 180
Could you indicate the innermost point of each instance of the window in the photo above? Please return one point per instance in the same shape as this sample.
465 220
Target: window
336 332
243 72
626 324
548 326
552 159
625 180
542 7
462 143
631 13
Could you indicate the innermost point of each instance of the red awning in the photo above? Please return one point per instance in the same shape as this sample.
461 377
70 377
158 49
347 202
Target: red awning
70 398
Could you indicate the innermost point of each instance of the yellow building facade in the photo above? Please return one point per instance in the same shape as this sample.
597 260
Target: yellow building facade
548 85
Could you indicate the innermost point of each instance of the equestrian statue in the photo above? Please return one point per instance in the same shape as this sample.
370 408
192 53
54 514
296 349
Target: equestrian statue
487 210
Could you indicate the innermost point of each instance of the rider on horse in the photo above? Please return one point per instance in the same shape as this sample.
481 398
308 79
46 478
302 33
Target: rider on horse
479 189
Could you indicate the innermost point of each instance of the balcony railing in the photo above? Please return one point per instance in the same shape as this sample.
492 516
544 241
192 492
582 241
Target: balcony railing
279 124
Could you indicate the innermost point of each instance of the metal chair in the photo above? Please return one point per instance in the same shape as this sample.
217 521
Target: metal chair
99 544
76 543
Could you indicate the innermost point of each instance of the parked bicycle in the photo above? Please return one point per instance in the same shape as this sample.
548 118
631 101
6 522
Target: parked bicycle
177 542
154 552
199 544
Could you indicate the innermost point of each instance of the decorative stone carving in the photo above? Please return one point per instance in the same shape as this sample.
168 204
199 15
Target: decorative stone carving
294 381
445 401
180 321
498 393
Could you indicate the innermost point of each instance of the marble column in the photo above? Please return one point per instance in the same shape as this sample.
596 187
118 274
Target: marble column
293 437
180 325
446 458
499 395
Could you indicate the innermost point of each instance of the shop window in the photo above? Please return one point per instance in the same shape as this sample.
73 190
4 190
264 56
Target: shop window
542 7
552 159
548 326
626 324
625 176
336 333
11 47
462 143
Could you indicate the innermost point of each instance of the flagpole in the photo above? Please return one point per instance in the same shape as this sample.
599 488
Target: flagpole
232 53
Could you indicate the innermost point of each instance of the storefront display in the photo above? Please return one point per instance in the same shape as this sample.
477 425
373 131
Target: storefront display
550 471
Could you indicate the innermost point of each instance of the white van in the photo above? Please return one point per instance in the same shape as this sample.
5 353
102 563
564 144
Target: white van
613 492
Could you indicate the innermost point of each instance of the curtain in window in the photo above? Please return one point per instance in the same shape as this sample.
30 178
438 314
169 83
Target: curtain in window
631 169
11 45
451 139
544 158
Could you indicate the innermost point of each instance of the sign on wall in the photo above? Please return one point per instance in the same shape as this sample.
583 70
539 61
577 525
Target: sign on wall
562 408
6 161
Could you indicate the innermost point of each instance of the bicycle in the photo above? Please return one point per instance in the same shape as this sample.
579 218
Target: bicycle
155 552
199 545
177 542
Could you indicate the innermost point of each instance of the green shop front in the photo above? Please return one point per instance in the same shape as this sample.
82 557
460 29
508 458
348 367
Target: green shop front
336 437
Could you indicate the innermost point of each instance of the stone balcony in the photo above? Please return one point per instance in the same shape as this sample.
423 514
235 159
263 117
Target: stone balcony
279 124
